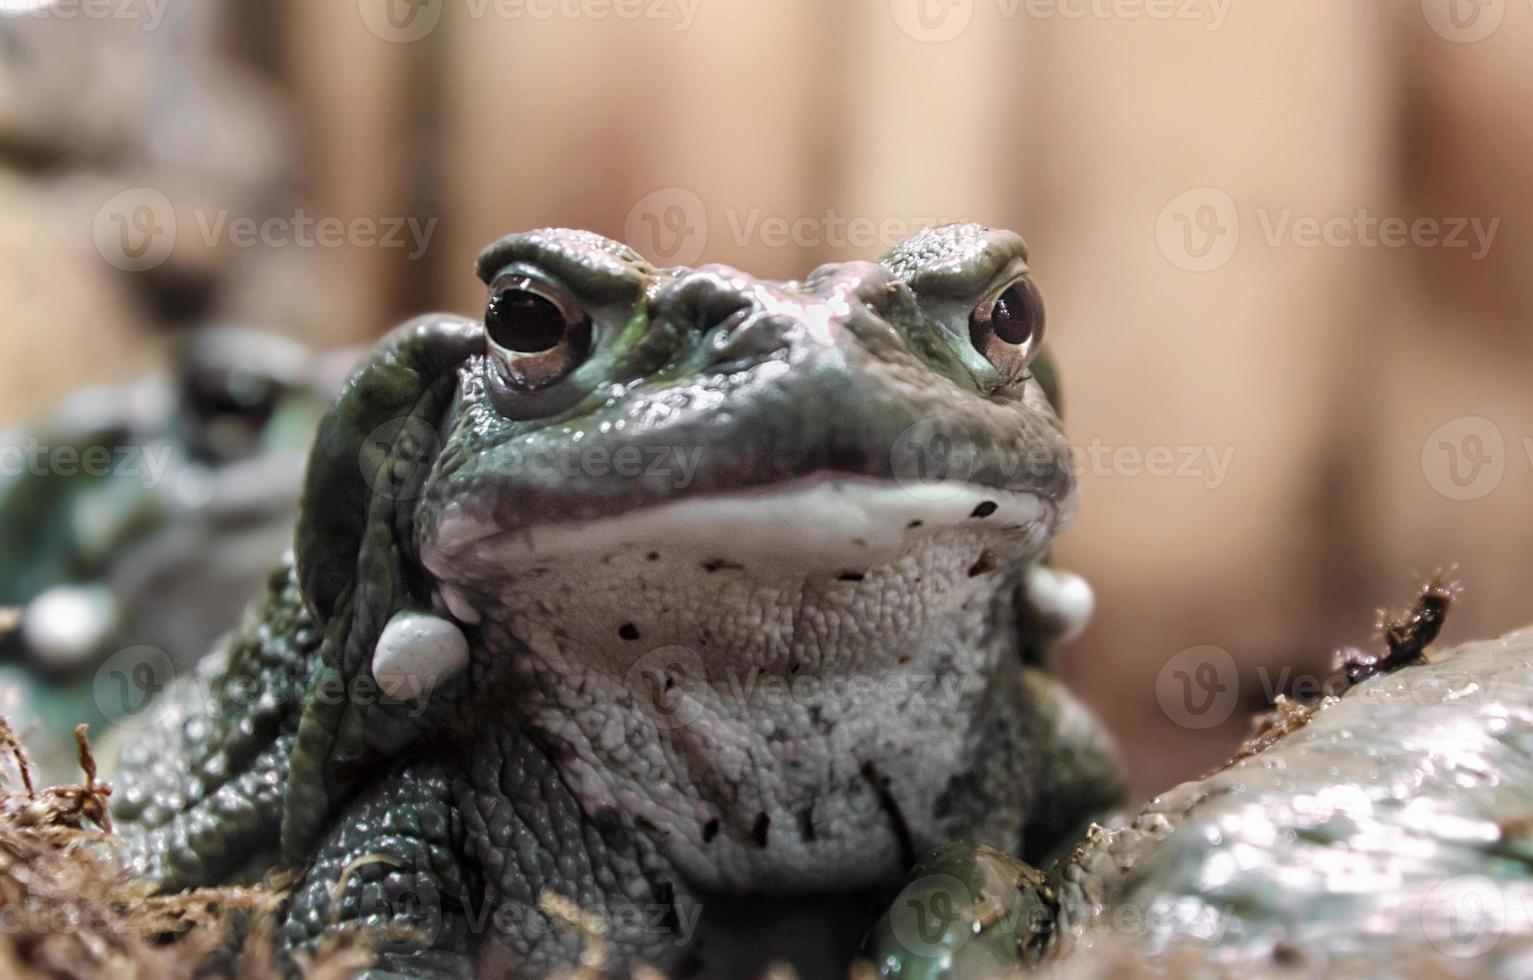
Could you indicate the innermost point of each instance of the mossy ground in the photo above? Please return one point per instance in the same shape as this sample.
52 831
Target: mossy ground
69 910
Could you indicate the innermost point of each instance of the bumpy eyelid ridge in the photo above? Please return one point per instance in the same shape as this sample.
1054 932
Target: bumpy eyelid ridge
596 275
1013 274
526 278
946 264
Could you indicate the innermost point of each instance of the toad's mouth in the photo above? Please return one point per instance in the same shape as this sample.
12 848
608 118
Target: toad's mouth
823 524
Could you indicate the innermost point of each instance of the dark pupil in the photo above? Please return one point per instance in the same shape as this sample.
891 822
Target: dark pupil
524 322
1016 316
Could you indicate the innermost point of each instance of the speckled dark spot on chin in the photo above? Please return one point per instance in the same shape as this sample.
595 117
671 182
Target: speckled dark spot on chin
986 563
652 556
628 631
806 822
720 564
985 509
647 827
607 819
762 827
913 525
1287 957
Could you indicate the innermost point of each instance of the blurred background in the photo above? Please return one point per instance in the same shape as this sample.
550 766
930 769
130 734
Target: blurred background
1285 244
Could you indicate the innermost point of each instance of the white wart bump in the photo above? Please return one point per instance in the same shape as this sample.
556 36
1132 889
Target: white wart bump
1065 598
416 652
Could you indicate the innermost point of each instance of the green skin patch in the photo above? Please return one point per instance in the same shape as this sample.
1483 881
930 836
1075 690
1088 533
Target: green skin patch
660 590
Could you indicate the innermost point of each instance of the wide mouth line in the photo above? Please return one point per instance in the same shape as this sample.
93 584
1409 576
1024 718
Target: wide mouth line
825 515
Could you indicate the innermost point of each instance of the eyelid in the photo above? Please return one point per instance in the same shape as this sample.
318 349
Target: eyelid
529 280
985 308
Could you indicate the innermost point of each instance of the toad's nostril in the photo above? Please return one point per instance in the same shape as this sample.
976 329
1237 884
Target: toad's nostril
721 332
750 333
724 315
704 300
870 283
882 298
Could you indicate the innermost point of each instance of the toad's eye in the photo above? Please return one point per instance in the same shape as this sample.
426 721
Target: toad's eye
1008 328
537 333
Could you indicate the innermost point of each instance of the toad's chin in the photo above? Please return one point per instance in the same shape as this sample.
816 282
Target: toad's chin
828 524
